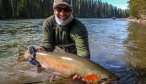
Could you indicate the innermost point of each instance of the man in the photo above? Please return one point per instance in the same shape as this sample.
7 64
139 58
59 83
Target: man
65 31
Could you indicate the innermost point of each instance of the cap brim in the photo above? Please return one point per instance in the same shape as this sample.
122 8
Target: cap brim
62 3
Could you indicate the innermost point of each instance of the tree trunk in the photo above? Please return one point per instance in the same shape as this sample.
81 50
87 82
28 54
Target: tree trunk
12 6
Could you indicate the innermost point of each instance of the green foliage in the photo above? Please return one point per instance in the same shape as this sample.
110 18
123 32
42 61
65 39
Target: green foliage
22 8
21 3
136 6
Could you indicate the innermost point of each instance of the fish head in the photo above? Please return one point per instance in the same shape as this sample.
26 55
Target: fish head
113 79
23 53
107 81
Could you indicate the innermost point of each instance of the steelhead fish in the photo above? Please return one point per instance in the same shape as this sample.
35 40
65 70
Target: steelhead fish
69 64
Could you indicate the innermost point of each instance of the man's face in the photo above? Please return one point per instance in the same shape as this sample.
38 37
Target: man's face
62 11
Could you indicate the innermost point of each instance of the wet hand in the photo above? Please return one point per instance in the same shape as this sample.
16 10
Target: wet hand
76 77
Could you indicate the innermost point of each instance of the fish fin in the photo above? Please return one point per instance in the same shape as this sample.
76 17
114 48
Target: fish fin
40 69
21 48
20 59
58 49
91 78
53 76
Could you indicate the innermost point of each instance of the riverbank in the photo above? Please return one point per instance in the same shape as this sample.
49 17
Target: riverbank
139 21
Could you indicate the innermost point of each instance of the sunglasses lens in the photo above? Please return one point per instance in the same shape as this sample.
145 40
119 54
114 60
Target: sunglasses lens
63 9
59 9
67 9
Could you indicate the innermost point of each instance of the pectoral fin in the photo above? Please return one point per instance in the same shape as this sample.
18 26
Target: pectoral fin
40 68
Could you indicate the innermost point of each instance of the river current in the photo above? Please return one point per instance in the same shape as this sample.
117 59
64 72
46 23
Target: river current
117 45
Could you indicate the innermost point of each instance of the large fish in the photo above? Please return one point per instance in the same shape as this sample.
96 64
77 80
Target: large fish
69 64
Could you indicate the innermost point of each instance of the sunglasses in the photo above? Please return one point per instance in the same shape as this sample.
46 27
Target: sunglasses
67 9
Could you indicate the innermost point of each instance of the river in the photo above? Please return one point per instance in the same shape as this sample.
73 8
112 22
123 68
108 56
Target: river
117 45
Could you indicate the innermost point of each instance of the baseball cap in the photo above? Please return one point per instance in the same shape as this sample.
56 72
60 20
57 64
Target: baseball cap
59 2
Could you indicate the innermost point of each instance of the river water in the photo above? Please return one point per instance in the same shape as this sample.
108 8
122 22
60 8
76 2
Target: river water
117 45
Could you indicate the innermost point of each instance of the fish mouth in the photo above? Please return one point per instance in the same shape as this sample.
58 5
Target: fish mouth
109 81
115 78
105 81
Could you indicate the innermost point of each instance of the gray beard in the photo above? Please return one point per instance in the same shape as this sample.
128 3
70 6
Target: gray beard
61 22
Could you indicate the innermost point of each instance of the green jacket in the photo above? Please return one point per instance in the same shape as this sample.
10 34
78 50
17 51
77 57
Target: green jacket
73 37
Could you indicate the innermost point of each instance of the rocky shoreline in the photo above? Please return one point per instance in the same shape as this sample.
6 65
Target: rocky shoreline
139 21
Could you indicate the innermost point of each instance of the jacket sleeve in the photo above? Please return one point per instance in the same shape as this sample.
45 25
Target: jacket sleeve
79 35
48 38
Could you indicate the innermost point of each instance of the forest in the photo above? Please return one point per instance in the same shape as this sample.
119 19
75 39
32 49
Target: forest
44 8
137 7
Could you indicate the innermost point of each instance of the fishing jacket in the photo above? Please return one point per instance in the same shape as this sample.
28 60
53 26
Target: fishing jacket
73 37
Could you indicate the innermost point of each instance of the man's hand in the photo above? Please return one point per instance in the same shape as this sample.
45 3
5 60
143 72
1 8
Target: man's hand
76 77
